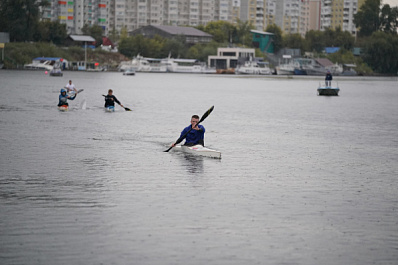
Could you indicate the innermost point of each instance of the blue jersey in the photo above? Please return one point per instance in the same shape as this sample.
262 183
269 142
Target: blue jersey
63 100
194 136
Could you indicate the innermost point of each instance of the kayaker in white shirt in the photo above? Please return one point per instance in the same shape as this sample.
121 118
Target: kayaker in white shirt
70 87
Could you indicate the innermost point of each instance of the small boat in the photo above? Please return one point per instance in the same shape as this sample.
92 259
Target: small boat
253 68
63 108
129 71
110 109
199 150
324 90
183 65
56 72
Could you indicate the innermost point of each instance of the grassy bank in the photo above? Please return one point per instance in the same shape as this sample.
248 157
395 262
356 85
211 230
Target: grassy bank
17 54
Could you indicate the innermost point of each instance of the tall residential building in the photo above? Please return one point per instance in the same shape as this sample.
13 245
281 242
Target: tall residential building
139 13
286 14
339 13
77 13
235 10
310 16
292 16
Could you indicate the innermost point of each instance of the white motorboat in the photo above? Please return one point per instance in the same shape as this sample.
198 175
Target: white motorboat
129 71
157 65
198 150
139 64
287 66
183 66
40 65
253 68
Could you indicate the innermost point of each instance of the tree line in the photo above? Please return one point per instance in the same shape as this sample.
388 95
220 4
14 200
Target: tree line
377 36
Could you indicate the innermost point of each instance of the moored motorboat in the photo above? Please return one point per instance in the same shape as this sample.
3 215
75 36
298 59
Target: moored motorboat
253 68
199 150
129 71
56 72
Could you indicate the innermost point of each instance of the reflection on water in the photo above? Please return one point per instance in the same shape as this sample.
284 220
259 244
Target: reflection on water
192 163
303 180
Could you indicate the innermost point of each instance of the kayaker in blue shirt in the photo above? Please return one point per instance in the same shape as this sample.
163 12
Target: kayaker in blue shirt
63 98
196 135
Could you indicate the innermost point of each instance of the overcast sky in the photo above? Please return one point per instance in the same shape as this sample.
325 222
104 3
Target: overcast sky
392 3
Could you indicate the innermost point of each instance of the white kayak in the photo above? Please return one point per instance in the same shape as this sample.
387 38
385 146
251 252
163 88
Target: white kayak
199 150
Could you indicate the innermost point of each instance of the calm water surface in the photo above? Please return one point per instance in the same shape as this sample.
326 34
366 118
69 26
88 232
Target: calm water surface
303 179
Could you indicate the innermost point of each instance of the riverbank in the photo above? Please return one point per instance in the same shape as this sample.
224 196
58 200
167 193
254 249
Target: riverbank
16 54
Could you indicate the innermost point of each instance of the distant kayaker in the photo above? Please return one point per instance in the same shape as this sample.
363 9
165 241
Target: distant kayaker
110 100
70 87
196 135
63 98
328 78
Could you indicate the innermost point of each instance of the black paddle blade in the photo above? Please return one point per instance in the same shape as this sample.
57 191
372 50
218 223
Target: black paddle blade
207 113
168 149
127 109
204 116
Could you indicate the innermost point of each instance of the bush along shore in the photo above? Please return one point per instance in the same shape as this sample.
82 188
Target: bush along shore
17 54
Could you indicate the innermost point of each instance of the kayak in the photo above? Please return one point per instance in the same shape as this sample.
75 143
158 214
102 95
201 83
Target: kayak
63 108
110 109
199 150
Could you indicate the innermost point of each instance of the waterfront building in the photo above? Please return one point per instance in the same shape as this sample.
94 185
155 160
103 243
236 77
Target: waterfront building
228 58
191 35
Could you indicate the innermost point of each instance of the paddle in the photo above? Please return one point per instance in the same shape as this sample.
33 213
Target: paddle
126 109
179 140
80 90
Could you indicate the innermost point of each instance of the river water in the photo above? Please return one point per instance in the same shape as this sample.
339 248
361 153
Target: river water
303 179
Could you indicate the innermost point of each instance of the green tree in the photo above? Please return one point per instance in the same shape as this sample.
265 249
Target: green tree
381 52
123 33
277 39
389 19
139 45
338 38
315 40
114 35
126 47
294 41
367 18
222 31
243 35
20 18
175 47
51 31
94 31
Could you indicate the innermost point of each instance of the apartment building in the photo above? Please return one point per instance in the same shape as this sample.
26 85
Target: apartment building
292 16
76 13
310 16
339 13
